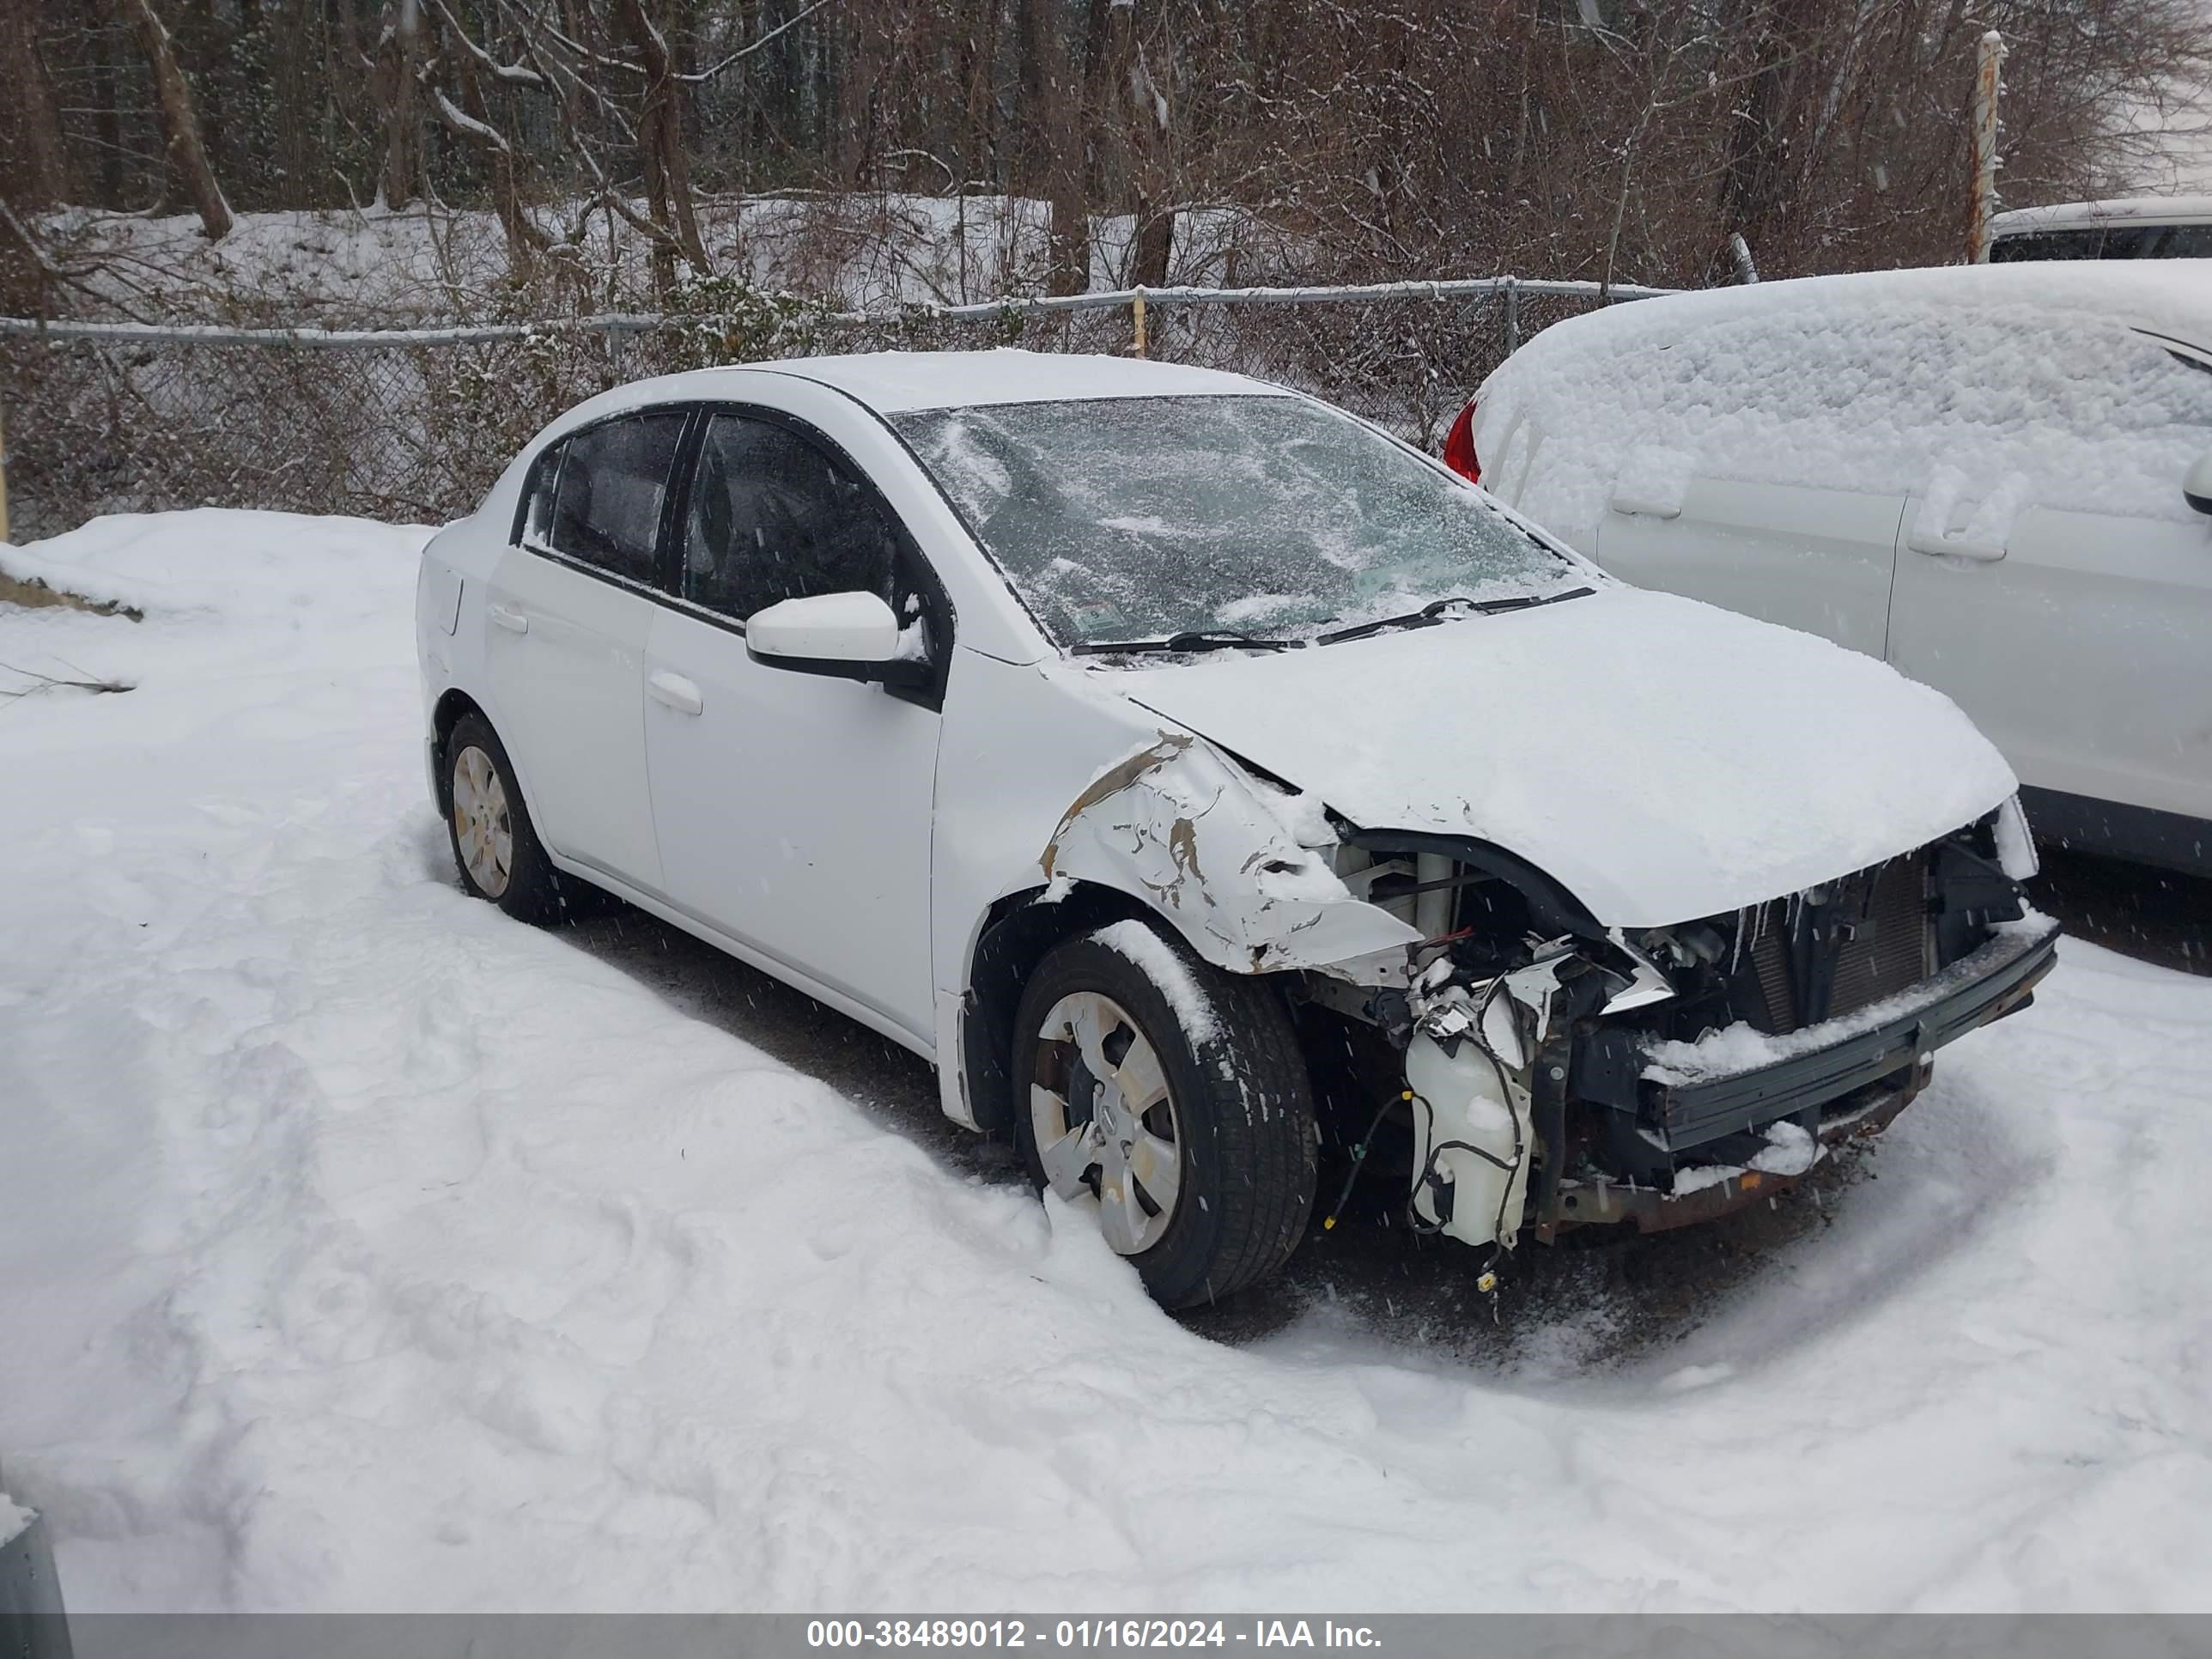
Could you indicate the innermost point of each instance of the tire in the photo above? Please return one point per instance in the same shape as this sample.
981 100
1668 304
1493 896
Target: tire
1230 1099
495 846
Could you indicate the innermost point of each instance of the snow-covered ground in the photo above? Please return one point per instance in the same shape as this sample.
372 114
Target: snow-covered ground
361 1249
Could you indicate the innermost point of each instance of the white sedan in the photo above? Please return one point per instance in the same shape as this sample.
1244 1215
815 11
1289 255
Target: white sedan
1234 803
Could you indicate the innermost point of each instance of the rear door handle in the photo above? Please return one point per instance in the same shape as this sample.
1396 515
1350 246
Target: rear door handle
512 621
676 691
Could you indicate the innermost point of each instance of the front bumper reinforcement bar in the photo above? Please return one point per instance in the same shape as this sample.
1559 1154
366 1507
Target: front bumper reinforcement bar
1856 1084
1996 980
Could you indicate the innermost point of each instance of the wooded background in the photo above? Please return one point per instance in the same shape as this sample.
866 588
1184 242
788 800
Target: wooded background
1626 139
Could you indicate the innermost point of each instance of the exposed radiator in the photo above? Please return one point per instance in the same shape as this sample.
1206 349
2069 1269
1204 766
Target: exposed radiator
1872 940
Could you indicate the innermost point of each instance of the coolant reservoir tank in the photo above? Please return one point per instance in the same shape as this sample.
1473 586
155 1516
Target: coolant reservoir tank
1459 1102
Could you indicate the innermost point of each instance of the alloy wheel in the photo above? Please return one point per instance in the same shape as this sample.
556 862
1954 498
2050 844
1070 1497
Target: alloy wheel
1104 1119
483 829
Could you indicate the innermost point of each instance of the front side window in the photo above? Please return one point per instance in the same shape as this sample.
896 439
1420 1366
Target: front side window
605 503
775 516
1128 518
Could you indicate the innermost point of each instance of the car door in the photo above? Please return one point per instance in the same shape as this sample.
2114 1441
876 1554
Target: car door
2068 616
794 810
2077 640
567 612
1815 559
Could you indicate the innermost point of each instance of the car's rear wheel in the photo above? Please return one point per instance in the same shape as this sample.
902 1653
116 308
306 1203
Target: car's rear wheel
495 846
1174 1096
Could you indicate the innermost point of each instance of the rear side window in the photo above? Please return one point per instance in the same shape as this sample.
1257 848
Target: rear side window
775 516
599 498
536 525
2107 242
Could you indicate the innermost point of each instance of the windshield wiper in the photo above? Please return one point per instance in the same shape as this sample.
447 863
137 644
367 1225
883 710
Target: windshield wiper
1430 615
1208 638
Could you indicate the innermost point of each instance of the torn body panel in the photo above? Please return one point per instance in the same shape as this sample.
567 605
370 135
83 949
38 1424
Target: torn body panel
1144 819
1200 839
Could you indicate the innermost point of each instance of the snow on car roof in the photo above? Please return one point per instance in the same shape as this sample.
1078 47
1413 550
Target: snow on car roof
896 382
2014 385
2170 296
892 382
2088 215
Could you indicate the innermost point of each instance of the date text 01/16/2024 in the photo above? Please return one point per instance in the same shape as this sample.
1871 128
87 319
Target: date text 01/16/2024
1079 1633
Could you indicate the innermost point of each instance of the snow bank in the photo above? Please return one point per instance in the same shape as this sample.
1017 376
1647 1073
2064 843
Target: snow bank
2029 382
257 570
362 1248
876 250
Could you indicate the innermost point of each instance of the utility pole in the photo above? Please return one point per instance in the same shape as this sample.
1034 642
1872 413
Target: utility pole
1988 62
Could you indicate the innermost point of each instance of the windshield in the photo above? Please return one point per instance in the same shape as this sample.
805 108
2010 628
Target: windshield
1147 518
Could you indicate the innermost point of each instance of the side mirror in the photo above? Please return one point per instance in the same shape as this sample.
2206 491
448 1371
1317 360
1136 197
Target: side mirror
852 637
2197 488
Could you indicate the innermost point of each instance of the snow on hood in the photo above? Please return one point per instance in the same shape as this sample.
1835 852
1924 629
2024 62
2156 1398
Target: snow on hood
1664 759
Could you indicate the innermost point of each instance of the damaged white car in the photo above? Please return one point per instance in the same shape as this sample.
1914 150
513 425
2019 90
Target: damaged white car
1233 803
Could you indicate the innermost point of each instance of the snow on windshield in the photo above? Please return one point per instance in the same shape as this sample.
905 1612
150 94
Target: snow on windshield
1995 388
1142 518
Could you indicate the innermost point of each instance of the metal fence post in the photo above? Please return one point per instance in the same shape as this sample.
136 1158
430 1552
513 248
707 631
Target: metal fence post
3 473
1512 315
1137 322
1989 63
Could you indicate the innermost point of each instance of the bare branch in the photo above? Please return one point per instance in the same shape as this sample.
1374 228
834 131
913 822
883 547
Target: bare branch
745 52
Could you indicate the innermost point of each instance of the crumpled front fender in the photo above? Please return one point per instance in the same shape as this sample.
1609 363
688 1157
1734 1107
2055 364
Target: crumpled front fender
1238 865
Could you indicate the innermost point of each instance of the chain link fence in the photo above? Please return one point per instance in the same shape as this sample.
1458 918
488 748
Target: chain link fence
414 425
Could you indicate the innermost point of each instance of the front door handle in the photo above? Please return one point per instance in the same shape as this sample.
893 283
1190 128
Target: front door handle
1953 547
676 691
512 621
1631 506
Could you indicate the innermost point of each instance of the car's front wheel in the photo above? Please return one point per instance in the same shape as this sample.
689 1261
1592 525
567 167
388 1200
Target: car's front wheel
1173 1095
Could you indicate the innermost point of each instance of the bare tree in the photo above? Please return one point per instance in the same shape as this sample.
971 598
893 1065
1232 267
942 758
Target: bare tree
399 53
33 156
180 126
470 120
1052 127
1346 140
33 162
1146 123
661 148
